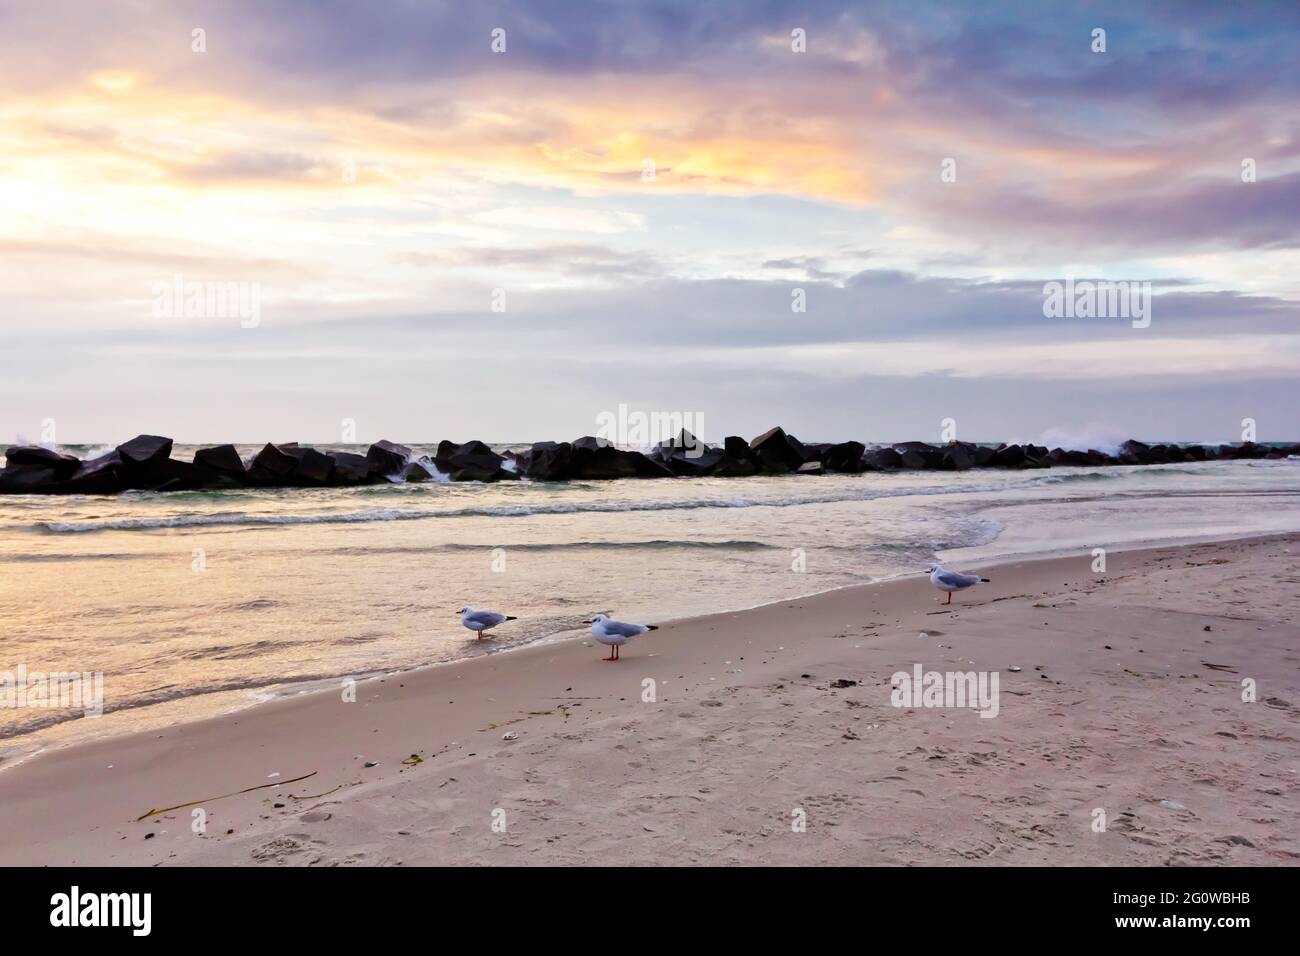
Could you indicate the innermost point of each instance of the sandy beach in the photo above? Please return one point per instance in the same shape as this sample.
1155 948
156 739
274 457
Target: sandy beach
1120 737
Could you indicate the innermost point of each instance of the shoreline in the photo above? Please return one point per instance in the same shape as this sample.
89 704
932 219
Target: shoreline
77 804
11 759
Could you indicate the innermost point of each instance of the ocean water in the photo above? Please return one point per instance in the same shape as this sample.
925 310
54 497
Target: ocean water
194 603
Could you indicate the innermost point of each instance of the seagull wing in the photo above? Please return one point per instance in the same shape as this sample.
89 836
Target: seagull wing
486 618
619 629
955 579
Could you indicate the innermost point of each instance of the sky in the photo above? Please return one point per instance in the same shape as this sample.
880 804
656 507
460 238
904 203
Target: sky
501 220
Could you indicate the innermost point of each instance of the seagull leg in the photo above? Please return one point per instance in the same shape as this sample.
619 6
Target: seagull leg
615 652
949 601
611 655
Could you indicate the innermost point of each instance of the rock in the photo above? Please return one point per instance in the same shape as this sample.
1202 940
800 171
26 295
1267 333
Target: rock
62 466
166 475
774 451
882 459
687 456
737 459
472 461
388 459
219 461
596 460
1009 456
25 478
350 469
1134 452
809 468
845 457
548 461
145 450
482 473
99 476
843 682
314 468
421 469
273 466
958 456
917 454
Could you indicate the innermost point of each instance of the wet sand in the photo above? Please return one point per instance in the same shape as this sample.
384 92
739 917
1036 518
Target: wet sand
1120 703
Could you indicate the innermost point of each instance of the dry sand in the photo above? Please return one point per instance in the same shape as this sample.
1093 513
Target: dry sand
747 730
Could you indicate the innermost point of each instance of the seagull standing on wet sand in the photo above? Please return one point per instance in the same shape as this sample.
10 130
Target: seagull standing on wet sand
480 621
951 581
614 634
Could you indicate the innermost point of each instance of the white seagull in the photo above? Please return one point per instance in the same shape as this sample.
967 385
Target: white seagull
480 621
951 581
614 634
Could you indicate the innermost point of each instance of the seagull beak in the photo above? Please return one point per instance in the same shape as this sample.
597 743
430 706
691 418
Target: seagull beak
586 622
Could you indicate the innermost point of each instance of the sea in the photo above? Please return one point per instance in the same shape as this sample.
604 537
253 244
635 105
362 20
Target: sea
191 604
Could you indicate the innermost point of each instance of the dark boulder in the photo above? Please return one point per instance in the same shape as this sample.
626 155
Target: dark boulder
219 461
273 466
882 459
1036 457
918 454
146 465
591 443
483 473
688 456
166 475
145 450
350 468
774 451
1008 456
958 456
984 455
314 468
451 456
1064 456
104 475
420 469
596 460
1134 452
61 466
27 478
845 457
736 447
388 459
549 461
472 458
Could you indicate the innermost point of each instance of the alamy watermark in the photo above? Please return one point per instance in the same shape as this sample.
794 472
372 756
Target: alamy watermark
181 299
630 429
73 690
1085 299
921 688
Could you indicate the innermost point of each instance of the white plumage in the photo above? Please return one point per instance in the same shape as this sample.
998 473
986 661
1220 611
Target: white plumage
480 621
951 581
614 634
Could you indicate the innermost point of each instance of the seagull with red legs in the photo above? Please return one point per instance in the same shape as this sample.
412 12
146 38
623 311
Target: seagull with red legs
614 634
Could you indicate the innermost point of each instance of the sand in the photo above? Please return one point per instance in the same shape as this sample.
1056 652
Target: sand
1126 709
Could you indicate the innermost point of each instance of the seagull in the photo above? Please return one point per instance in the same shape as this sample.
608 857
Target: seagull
614 634
951 581
480 621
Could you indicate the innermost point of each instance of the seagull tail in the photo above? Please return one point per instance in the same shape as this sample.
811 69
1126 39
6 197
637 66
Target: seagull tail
984 580
652 627
509 618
